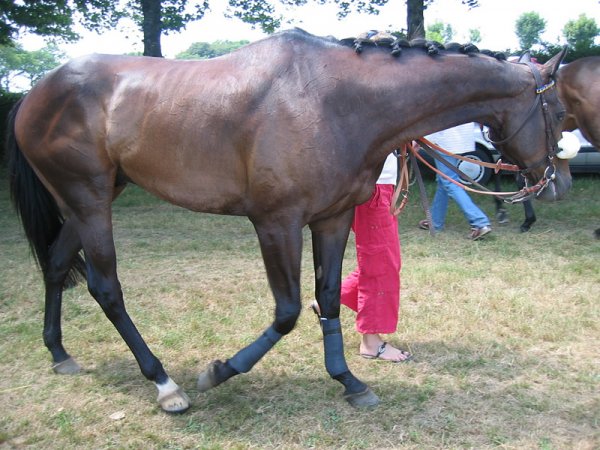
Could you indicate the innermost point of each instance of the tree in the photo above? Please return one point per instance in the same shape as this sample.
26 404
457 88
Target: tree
54 18
415 19
205 50
581 33
157 17
15 62
528 28
474 36
439 32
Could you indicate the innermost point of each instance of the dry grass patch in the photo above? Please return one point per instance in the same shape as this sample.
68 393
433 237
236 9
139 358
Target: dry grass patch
505 332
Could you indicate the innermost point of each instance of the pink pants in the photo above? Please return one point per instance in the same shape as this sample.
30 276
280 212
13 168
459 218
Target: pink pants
373 289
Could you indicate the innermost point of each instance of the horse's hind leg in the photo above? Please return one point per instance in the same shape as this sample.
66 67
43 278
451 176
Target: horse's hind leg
329 242
65 266
95 230
62 257
281 248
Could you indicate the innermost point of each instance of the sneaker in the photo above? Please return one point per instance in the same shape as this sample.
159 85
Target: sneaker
424 224
478 233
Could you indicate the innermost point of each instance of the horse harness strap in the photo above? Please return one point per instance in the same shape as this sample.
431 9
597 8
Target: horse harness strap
402 181
412 150
497 166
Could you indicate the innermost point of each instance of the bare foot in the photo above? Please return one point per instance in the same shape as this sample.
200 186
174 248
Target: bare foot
373 347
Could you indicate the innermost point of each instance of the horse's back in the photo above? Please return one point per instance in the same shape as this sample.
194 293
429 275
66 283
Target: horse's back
192 132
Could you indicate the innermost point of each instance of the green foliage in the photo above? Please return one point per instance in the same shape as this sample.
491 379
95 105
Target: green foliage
174 13
55 18
581 33
474 35
15 62
258 12
528 28
7 101
439 32
205 50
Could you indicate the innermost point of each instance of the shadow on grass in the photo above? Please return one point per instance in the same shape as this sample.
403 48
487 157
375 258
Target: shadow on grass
458 394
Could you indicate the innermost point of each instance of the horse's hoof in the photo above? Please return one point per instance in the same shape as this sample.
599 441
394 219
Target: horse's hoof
175 403
364 399
208 379
67 367
502 216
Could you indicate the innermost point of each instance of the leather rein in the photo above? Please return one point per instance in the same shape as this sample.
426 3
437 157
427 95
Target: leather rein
432 150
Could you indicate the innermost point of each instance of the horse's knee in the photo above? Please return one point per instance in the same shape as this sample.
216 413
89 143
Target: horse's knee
286 318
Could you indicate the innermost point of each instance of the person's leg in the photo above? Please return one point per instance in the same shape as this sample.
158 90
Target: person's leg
439 205
474 215
379 262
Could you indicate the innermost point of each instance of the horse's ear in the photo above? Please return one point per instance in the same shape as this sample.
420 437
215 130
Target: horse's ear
554 63
525 57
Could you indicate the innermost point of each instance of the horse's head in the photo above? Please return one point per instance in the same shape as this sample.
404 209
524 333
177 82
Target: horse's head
530 133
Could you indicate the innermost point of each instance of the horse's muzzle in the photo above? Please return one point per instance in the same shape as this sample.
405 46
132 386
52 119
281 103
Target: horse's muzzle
556 188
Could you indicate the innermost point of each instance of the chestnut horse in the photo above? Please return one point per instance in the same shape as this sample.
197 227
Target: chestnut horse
289 131
578 85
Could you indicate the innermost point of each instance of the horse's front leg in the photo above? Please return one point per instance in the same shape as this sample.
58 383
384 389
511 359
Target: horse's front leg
329 239
281 246
530 217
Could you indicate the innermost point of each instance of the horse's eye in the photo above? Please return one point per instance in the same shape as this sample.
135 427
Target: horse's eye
561 115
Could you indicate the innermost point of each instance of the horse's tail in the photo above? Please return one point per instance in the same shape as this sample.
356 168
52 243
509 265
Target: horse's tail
40 216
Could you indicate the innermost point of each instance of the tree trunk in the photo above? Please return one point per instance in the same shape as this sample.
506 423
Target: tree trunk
414 18
152 27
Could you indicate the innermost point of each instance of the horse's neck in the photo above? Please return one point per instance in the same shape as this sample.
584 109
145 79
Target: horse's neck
443 91
436 93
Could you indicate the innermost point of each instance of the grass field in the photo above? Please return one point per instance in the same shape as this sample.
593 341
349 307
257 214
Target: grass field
505 332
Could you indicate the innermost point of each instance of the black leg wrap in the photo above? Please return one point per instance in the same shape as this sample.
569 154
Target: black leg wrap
335 362
216 373
245 359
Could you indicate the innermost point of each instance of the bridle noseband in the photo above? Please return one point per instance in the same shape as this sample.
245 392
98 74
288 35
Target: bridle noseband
551 142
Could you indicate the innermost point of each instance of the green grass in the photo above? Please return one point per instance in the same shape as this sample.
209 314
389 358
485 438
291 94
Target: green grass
505 333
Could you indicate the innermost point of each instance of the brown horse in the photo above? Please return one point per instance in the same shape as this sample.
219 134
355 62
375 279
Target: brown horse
289 131
578 85
579 90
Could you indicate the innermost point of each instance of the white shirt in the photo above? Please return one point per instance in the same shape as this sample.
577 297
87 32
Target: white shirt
390 170
457 139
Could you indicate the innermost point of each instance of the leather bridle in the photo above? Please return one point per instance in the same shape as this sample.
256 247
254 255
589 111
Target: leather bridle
551 142
518 196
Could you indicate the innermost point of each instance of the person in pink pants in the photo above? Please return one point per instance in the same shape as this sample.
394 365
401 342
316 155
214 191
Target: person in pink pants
372 290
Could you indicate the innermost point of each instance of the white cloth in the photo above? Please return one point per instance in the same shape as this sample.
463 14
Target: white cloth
459 139
390 170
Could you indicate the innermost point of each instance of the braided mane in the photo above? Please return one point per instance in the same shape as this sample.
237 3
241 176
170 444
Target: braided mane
396 45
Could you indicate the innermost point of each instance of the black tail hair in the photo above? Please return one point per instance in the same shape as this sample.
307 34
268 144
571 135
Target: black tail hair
39 213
